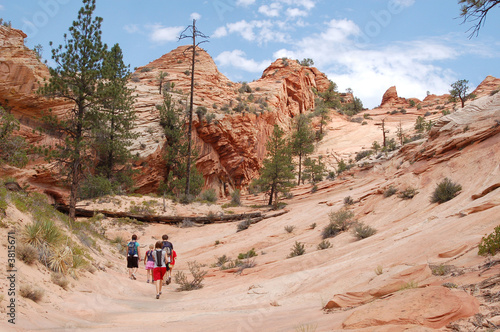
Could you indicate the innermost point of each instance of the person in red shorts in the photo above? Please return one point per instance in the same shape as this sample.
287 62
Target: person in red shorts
160 267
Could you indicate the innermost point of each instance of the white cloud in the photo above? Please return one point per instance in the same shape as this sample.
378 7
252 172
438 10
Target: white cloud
255 31
404 3
295 12
307 4
161 34
238 59
220 32
273 10
245 3
131 28
195 16
371 69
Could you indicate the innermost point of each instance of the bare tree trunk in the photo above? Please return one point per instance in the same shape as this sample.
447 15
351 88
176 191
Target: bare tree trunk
188 180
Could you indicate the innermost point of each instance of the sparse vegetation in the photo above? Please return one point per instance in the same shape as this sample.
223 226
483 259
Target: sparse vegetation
348 200
408 193
236 198
26 253
490 244
340 221
298 249
289 228
209 195
362 231
325 244
445 191
409 285
249 254
60 280
390 191
196 283
33 293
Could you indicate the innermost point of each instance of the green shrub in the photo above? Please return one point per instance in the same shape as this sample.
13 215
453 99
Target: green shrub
390 191
340 221
490 244
362 231
34 294
289 228
408 193
27 253
348 200
42 233
95 186
146 69
250 253
445 191
325 244
363 154
297 250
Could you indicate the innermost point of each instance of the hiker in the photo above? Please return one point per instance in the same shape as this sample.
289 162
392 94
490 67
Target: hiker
168 247
160 267
149 262
170 265
133 257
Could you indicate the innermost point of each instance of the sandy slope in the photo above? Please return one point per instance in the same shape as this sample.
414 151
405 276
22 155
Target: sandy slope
281 294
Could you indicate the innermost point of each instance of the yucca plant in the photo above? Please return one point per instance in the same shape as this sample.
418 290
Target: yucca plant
61 259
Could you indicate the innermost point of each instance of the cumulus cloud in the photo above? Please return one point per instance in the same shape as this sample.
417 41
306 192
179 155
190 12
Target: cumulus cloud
404 3
195 16
262 31
295 12
238 59
161 34
370 69
245 3
131 28
273 10
220 32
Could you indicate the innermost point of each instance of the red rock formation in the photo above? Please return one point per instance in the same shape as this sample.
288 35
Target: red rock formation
391 99
487 86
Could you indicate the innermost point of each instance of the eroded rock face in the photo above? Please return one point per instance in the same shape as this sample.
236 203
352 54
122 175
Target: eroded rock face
390 99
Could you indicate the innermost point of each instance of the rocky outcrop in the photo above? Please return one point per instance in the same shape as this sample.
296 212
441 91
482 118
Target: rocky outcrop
489 85
390 99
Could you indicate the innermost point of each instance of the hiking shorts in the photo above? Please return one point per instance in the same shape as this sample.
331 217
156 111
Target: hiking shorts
159 272
132 262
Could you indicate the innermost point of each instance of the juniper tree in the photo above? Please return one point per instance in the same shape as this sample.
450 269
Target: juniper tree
302 140
459 90
277 171
75 79
12 148
114 115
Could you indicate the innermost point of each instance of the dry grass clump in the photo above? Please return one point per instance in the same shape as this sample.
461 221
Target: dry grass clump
60 280
325 244
408 193
27 253
362 231
390 191
196 283
289 228
30 292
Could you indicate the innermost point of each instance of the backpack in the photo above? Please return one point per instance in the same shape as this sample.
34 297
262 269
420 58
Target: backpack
166 247
158 257
132 249
150 255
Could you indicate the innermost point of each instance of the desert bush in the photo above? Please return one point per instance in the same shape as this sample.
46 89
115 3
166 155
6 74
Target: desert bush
390 191
244 225
209 195
146 69
408 193
246 264
187 223
340 221
236 198
440 270
362 231
409 285
289 228
196 283
490 244
60 280
363 154
313 225
250 253
445 191
221 261
27 253
348 200
210 117
297 250
325 244
29 292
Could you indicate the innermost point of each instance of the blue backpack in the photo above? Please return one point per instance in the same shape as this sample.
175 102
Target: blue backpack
132 249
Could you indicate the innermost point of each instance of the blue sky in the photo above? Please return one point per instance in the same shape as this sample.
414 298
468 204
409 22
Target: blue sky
366 45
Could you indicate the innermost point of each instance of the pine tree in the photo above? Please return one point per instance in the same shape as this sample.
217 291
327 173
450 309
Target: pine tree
277 171
13 149
114 116
176 151
75 79
302 140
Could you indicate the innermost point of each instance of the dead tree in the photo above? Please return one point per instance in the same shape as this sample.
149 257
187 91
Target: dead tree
191 32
